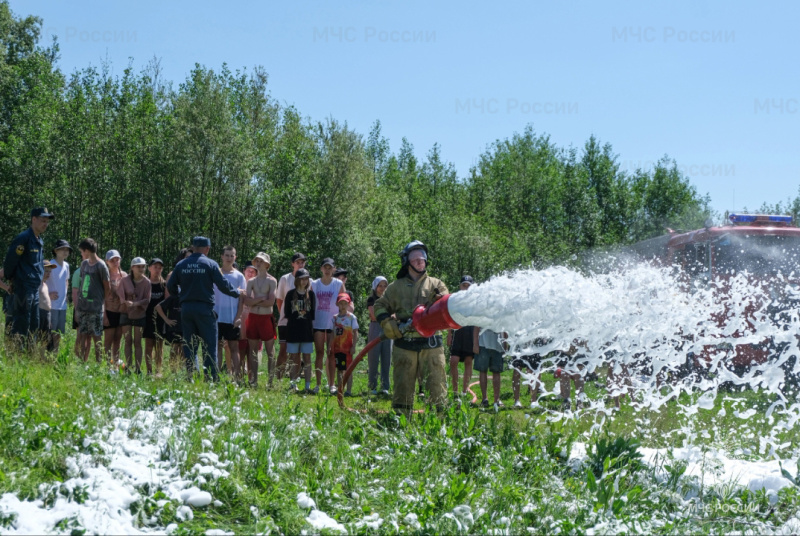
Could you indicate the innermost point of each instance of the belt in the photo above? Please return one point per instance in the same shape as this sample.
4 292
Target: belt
415 344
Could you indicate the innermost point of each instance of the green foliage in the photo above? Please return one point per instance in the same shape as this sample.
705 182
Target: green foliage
142 166
610 454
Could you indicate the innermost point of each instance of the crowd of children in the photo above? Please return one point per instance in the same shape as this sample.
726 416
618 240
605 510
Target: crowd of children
315 316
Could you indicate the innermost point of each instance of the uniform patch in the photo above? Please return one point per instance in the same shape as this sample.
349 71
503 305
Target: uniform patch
20 249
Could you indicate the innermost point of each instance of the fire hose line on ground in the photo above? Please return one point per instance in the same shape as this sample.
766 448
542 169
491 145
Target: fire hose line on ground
426 322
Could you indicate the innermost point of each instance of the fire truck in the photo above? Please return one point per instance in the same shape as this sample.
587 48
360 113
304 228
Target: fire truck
766 248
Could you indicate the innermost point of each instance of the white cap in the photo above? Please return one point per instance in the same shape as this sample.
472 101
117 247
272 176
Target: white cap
138 261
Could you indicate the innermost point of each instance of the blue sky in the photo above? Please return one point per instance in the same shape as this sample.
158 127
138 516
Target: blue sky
714 85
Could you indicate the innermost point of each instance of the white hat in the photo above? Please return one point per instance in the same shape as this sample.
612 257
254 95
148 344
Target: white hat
138 261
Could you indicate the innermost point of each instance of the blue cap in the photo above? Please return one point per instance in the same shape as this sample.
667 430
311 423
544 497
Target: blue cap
201 242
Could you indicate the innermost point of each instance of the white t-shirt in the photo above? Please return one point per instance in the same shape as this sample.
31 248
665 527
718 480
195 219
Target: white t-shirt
285 284
226 306
326 302
491 340
59 282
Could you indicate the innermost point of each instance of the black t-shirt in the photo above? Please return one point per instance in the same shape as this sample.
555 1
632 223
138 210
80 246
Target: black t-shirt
463 343
156 297
299 312
172 308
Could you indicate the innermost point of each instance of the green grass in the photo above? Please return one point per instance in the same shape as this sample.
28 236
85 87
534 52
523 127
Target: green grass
511 468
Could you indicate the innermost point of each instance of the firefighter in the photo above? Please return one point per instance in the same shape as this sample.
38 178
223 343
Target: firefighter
413 352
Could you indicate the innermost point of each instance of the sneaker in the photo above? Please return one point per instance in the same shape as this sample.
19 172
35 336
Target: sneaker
485 403
313 391
347 393
373 392
566 405
385 392
293 386
498 406
517 404
333 390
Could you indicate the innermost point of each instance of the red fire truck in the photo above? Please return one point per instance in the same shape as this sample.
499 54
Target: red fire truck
764 247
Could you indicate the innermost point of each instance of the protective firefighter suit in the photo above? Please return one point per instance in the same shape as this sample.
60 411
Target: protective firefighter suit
413 353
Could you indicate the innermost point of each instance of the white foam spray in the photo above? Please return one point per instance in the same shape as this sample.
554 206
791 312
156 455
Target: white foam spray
659 331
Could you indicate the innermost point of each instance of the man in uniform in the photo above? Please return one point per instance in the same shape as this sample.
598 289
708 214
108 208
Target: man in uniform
412 351
193 280
24 266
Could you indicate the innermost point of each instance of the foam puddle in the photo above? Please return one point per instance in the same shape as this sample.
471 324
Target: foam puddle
106 493
100 497
713 467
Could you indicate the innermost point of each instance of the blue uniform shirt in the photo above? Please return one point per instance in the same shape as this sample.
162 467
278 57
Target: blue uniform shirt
196 276
24 262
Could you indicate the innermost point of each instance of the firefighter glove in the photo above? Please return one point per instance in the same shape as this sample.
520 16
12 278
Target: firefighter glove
390 329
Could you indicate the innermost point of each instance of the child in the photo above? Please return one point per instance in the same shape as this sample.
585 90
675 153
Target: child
381 354
59 287
134 296
113 330
170 312
462 347
92 290
244 347
229 314
326 289
45 306
81 341
153 326
530 364
490 357
570 366
259 296
342 341
298 309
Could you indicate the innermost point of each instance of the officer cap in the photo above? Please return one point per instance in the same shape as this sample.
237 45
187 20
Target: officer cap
41 212
201 242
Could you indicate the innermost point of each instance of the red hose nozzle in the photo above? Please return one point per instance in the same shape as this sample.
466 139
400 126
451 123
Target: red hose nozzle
436 317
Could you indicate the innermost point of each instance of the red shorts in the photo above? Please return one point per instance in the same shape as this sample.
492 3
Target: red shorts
244 346
260 327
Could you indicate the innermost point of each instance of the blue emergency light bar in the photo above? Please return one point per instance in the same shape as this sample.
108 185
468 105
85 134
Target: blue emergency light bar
752 218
